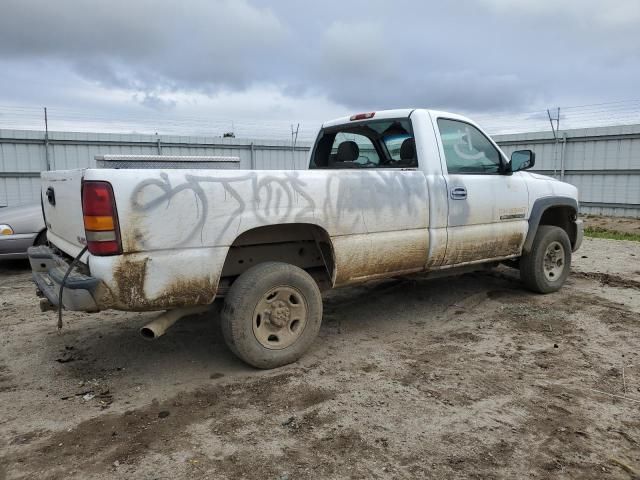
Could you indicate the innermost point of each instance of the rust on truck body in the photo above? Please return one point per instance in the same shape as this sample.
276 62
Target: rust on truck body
129 288
364 257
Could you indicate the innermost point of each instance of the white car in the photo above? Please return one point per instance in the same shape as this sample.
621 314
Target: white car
386 193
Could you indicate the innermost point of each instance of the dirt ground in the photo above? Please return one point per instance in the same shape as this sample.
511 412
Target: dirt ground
612 224
468 377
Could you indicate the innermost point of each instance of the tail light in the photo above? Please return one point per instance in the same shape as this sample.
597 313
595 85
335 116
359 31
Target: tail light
100 218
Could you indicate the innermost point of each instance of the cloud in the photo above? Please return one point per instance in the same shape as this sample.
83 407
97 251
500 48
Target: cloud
588 13
361 64
286 57
355 50
146 44
155 101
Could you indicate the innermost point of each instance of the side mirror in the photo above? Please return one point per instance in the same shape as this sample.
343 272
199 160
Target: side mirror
522 160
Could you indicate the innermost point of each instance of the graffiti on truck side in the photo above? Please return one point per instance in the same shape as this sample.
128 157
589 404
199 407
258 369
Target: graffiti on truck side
276 197
357 202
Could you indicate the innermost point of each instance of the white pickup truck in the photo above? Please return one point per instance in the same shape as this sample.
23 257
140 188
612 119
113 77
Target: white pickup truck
386 193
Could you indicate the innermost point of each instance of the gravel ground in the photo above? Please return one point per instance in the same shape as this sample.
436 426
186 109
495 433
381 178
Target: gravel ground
467 377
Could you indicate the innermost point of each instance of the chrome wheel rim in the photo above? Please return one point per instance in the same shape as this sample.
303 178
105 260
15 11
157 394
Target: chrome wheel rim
554 263
280 317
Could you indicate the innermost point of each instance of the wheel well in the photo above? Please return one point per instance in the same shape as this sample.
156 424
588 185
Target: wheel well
562 216
303 245
42 234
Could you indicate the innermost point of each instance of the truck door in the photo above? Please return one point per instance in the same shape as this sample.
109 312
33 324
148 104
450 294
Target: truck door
376 203
487 207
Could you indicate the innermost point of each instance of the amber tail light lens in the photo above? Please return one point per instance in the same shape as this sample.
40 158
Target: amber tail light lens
100 218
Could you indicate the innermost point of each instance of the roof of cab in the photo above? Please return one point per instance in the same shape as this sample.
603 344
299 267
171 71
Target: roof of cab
379 115
396 113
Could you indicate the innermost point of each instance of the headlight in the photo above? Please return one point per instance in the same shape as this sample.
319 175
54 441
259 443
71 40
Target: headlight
6 230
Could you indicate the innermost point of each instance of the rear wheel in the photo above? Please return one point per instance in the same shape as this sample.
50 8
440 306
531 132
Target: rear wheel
546 267
272 314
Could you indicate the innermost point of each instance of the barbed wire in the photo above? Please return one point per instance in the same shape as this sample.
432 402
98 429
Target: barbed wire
165 123
32 118
624 112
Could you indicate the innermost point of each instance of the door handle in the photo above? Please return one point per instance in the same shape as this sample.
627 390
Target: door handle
458 193
51 196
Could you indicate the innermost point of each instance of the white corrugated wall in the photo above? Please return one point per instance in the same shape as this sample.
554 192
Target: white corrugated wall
604 163
22 155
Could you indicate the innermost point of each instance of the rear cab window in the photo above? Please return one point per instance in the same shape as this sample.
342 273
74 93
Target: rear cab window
387 143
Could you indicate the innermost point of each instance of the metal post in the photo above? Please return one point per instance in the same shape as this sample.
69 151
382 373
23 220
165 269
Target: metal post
562 154
557 143
253 159
294 140
159 145
554 130
46 140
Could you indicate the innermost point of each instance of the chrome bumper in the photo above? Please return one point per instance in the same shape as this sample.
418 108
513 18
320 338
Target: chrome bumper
48 270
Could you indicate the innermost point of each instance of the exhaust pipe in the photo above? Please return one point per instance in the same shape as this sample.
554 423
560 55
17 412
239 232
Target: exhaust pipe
159 325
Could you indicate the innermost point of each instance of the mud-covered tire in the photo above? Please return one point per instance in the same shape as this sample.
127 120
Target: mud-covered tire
249 319
546 267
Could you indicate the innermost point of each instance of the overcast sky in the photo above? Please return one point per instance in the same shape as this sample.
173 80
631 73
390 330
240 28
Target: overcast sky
311 60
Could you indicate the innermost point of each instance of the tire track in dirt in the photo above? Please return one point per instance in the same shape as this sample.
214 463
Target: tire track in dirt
455 378
608 279
162 427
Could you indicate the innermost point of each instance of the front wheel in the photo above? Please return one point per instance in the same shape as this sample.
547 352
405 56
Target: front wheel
271 314
546 267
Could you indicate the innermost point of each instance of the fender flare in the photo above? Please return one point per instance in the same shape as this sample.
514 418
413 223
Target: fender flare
540 206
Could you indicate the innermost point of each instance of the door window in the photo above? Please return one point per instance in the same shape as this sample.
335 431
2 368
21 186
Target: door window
466 149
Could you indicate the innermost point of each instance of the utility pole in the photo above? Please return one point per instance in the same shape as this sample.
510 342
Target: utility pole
46 140
158 144
555 137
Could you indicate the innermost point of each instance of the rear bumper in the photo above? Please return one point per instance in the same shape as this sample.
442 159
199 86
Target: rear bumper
15 246
579 234
81 292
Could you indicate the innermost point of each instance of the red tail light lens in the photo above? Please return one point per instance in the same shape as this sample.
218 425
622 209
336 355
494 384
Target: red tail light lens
100 218
97 199
362 116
